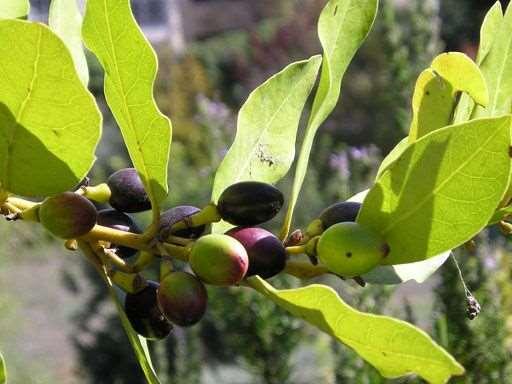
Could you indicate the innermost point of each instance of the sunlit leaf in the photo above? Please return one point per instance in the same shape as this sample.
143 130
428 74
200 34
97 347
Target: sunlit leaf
497 65
66 21
12 9
488 34
3 370
130 64
342 27
442 190
394 347
49 122
434 98
264 146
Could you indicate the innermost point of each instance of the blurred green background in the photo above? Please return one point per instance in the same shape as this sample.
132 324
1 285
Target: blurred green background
56 323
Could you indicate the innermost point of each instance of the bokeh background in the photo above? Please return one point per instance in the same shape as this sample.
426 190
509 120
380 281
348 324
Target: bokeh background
56 323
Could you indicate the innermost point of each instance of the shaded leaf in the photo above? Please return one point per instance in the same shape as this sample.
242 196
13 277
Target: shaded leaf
442 190
395 153
66 21
342 27
49 122
394 347
264 146
12 9
130 64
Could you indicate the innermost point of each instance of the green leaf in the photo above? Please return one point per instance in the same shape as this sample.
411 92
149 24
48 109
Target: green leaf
342 28
394 347
66 21
130 64
463 75
497 67
419 271
442 190
395 153
434 98
488 33
12 9
432 104
139 344
3 370
49 122
264 146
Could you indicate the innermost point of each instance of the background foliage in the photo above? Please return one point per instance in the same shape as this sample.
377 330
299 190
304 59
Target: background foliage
200 90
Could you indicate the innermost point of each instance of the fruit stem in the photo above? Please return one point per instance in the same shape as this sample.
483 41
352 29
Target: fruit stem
296 250
143 260
109 256
304 270
315 228
128 282
114 236
179 240
166 267
99 193
209 214
21 204
71 245
176 251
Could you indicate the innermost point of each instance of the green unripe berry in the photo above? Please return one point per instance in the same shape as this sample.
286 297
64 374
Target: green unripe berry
349 249
219 260
68 215
182 298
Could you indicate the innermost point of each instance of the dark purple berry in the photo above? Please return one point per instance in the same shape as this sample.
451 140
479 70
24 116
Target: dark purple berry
127 193
249 203
182 297
68 215
144 314
172 216
339 213
267 256
122 222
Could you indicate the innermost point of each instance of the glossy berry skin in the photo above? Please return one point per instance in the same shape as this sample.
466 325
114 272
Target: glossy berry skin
122 222
173 215
182 298
127 193
144 314
68 215
267 256
219 260
339 213
349 249
249 203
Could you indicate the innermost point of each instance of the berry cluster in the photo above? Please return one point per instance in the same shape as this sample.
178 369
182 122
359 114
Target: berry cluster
334 240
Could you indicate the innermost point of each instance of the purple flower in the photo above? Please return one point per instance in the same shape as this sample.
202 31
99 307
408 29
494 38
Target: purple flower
340 162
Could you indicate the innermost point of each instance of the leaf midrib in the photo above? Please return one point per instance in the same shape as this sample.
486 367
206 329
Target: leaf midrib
267 126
